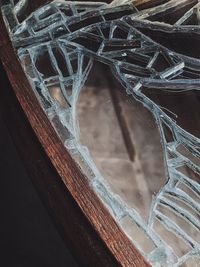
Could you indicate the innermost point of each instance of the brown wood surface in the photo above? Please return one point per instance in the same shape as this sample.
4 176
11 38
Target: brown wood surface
76 184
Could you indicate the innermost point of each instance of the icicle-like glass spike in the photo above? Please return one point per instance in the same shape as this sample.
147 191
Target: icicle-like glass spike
155 56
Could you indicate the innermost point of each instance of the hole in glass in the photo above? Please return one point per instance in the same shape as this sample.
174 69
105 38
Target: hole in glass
182 106
179 42
122 138
62 64
44 64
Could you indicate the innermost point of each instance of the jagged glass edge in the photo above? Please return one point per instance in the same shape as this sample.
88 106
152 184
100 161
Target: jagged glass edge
116 205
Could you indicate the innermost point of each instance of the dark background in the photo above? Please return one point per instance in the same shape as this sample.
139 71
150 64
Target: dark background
27 234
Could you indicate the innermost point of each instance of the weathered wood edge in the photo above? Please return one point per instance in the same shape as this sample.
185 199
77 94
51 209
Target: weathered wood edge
77 185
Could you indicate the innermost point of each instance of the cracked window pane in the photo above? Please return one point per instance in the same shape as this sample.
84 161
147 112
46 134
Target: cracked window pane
120 84
112 127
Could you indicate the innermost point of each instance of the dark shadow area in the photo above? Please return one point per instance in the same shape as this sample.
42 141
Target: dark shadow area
28 237
179 42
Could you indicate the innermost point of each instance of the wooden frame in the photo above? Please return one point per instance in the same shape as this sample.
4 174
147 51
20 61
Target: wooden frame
83 220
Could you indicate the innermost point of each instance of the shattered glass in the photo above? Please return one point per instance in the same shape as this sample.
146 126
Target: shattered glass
154 54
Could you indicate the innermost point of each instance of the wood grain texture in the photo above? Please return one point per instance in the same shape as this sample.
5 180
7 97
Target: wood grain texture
77 186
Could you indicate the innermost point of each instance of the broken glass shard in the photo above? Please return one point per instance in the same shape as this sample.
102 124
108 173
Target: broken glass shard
120 84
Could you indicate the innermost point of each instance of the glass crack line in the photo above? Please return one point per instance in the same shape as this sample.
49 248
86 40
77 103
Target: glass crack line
81 33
